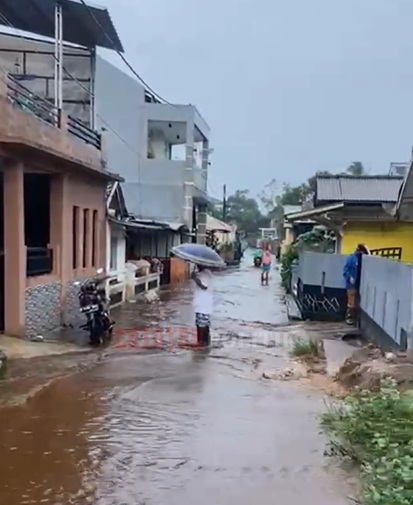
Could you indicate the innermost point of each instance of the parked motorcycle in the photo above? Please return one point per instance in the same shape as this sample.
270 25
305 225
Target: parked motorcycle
93 303
257 262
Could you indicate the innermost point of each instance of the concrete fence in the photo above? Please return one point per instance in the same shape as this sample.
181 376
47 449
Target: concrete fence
318 285
386 295
386 298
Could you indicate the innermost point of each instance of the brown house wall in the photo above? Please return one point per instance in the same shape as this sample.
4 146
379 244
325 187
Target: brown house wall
42 303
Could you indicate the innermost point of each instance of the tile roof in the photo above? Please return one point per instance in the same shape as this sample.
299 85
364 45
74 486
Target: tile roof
363 189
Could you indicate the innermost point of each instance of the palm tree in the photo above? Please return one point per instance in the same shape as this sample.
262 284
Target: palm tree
356 168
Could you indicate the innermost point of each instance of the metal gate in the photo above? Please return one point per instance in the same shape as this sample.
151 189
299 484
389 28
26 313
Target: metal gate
388 252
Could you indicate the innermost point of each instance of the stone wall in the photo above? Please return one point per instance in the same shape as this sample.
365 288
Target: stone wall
43 313
72 314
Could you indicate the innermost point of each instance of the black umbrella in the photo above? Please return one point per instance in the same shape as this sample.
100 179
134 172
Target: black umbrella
199 254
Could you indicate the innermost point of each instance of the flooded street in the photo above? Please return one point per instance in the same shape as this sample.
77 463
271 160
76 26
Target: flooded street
176 426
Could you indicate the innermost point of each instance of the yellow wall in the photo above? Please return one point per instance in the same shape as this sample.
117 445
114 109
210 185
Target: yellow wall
378 235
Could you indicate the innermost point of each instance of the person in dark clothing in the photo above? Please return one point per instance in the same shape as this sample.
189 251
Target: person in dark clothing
351 274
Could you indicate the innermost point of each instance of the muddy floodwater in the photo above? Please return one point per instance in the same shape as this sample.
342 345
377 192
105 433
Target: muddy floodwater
174 426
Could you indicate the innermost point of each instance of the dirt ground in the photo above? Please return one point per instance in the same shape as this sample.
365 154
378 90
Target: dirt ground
368 366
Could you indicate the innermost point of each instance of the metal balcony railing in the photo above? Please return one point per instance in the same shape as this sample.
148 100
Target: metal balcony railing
80 130
24 99
39 261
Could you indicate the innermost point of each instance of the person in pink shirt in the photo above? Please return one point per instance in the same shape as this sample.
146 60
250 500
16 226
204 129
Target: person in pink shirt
266 266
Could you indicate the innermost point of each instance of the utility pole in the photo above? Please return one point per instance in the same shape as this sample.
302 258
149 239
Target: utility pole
224 203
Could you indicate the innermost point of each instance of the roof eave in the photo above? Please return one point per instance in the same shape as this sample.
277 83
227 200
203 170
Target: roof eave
317 211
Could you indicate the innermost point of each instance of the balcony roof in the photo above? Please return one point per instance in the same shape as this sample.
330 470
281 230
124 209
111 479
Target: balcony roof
85 26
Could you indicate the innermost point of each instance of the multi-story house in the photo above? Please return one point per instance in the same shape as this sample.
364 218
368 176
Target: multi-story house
160 150
53 182
166 155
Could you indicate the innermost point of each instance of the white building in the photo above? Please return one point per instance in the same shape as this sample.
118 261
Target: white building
161 150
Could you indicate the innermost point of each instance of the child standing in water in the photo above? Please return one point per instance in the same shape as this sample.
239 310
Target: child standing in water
266 266
203 305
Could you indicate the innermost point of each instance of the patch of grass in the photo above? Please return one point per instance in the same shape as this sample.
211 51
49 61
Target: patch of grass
306 349
375 429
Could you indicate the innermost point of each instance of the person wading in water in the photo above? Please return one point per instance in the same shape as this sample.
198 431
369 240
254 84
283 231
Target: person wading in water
203 305
266 266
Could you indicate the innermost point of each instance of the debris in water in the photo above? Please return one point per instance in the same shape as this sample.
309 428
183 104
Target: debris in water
37 338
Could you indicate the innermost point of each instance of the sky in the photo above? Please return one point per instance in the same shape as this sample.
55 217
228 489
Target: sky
288 87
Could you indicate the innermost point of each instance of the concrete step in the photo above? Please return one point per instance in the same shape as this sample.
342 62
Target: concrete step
293 311
336 352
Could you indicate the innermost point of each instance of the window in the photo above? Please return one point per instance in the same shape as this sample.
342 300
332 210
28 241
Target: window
94 237
113 252
85 237
75 233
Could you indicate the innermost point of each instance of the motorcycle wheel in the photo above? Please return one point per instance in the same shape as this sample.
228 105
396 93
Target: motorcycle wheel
94 339
94 333
107 336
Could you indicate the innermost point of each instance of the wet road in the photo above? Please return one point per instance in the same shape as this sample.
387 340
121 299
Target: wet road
177 426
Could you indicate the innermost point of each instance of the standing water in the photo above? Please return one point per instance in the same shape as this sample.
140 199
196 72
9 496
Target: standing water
176 426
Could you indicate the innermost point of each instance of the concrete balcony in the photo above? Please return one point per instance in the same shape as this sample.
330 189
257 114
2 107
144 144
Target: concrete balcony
31 124
185 114
162 172
198 177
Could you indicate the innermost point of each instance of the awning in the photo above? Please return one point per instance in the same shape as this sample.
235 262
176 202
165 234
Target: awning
317 211
214 224
144 224
201 197
132 225
86 26
176 226
161 225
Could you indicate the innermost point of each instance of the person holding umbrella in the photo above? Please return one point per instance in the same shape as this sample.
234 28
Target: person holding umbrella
204 260
203 304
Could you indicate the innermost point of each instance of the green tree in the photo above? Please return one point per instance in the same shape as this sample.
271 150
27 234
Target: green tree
357 169
269 195
245 211
293 195
296 195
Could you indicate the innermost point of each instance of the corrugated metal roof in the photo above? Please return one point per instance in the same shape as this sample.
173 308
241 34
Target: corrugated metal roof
317 211
290 209
84 25
215 224
353 189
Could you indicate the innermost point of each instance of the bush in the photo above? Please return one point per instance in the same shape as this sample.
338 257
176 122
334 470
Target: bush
375 429
286 261
306 349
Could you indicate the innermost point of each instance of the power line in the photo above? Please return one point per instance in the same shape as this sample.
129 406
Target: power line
123 57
